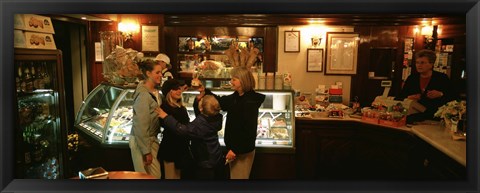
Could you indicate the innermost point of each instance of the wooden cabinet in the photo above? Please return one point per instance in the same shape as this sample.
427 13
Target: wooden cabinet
430 163
273 166
351 150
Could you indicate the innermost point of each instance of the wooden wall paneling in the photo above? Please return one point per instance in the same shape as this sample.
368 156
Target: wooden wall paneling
458 63
270 51
95 68
171 50
403 32
375 36
360 82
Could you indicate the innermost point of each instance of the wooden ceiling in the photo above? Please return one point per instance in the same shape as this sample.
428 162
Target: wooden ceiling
304 19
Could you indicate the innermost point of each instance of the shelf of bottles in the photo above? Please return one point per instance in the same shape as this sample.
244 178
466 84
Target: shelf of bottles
38 120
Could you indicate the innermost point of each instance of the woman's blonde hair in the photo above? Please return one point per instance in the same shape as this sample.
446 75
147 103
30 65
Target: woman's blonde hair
172 102
209 105
245 77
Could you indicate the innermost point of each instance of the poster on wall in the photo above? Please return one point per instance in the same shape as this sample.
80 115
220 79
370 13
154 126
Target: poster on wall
150 38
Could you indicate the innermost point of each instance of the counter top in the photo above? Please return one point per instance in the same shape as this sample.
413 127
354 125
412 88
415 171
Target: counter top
441 139
430 131
126 175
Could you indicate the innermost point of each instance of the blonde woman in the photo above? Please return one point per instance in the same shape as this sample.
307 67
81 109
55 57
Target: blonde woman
143 141
241 123
174 149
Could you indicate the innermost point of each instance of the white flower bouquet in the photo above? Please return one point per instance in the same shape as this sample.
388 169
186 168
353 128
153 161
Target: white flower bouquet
453 110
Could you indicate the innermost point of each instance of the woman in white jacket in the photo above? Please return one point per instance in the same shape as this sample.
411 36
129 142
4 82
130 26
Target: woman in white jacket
146 124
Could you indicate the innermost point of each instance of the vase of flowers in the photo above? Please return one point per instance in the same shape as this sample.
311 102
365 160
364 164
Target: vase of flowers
451 113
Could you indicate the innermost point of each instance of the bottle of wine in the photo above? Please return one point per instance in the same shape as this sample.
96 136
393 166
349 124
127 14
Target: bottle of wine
28 79
19 78
46 76
34 76
28 155
37 149
39 80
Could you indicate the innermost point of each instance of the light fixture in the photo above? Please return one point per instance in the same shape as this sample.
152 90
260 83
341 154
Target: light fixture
316 32
127 29
316 40
430 33
426 31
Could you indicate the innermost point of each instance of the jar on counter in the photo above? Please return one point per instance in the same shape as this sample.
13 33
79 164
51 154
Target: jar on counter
261 81
278 82
269 82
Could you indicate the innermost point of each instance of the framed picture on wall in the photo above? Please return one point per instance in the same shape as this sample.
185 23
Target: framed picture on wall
150 38
341 53
314 60
292 41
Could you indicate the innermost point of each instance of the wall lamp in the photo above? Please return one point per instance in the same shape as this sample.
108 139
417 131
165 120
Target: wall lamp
430 34
128 29
316 40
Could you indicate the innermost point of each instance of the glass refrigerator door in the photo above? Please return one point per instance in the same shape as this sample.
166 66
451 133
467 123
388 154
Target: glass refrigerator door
275 129
39 139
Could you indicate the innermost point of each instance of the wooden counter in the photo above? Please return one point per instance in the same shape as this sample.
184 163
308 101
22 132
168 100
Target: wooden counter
116 175
436 136
430 131
353 149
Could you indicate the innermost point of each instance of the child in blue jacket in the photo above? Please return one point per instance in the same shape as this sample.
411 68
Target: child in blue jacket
203 131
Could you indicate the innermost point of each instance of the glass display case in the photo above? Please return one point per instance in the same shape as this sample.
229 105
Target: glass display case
41 125
106 114
276 120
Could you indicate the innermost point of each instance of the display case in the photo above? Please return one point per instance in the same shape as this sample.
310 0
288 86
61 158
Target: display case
276 119
41 125
106 114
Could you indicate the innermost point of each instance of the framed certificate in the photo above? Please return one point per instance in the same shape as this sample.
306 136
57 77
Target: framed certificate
314 60
292 41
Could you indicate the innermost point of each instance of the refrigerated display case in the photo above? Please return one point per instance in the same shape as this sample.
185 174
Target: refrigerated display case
40 117
106 116
276 120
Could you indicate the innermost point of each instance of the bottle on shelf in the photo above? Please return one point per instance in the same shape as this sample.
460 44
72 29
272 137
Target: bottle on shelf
39 83
28 79
19 78
37 148
34 76
46 76
26 144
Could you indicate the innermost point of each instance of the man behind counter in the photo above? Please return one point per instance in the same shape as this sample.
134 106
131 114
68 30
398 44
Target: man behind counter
430 88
